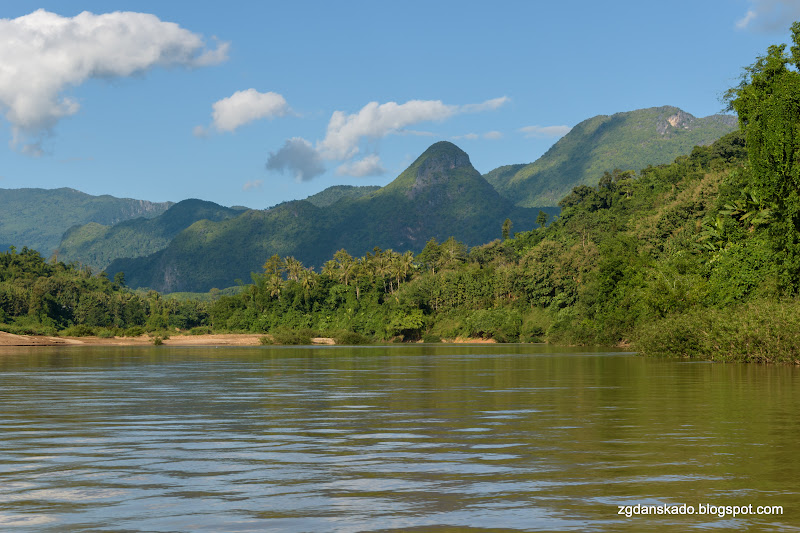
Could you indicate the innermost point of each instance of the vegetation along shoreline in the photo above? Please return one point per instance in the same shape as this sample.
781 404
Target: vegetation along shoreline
698 258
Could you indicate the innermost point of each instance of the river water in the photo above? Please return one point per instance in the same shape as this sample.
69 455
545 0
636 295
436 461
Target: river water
405 438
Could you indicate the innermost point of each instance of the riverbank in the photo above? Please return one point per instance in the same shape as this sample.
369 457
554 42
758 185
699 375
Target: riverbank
211 339
232 339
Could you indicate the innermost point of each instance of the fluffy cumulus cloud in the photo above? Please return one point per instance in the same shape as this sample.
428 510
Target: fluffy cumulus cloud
367 166
298 158
243 107
375 120
43 54
770 15
346 132
545 132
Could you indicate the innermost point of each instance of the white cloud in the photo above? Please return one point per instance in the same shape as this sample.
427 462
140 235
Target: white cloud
543 132
298 157
770 15
345 133
253 185
43 54
246 106
492 135
488 105
743 22
368 166
467 137
376 120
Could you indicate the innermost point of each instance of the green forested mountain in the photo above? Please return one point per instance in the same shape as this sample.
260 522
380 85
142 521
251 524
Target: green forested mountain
37 218
438 196
628 141
97 245
335 193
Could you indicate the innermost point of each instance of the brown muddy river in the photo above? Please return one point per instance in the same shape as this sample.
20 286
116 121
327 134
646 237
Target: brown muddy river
420 438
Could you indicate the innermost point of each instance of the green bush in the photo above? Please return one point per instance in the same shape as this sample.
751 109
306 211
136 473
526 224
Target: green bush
292 337
762 331
29 326
200 330
430 338
351 338
531 333
503 325
135 331
80 330
106 333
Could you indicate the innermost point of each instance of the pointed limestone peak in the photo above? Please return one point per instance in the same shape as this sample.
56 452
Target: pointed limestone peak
441 156
437 165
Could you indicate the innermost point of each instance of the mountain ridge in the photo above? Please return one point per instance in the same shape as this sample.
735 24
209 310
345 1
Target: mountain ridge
628 140
98 245
37 218
438 196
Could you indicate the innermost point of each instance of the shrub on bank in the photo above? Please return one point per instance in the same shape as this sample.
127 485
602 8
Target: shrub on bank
351 338
761 331
293 337
80 330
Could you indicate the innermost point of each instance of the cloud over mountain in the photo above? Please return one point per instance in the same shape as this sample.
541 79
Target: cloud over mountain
345 132
298 158
368 166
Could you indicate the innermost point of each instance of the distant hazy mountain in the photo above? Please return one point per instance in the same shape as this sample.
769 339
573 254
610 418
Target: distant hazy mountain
37 218
333 194
438 196
628 141
97 245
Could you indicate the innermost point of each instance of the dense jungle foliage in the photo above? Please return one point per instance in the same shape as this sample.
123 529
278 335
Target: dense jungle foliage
699 258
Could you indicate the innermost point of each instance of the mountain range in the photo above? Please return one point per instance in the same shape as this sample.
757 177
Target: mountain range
97 245
627 141
157 245
37 218
438 196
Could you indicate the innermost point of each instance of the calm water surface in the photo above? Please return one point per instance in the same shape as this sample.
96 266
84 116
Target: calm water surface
424 438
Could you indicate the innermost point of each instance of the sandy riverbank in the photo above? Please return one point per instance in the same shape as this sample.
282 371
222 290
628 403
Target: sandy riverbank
222 339
9 339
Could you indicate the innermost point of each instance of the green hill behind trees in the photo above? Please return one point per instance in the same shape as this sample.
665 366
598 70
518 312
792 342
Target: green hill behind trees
37 218
629 141
438 196
335 193
97 245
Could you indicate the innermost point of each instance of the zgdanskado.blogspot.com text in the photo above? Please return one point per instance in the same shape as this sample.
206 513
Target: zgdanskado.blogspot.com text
701 509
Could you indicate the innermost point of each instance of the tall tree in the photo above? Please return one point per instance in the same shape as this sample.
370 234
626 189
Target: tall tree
768 104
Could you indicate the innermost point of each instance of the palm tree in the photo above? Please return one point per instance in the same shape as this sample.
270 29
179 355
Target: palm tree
293 268
274 286
346 264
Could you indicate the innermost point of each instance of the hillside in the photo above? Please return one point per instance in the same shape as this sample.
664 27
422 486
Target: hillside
333 194
37 218
438 196
97 245
628 141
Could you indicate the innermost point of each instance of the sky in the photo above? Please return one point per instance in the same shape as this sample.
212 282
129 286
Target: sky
257 103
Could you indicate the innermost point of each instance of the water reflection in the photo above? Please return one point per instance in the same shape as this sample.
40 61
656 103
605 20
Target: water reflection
380 438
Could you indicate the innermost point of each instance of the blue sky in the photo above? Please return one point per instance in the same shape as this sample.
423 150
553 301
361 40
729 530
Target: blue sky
255 103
